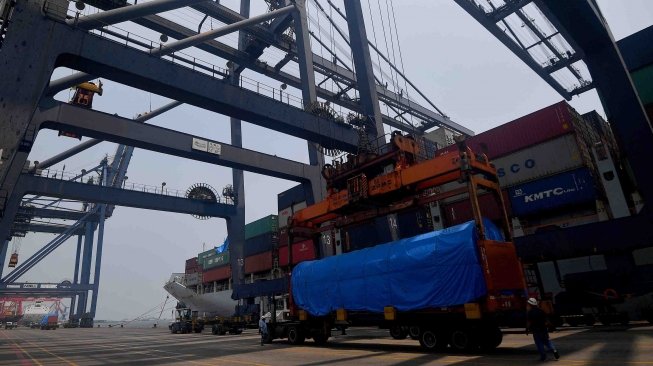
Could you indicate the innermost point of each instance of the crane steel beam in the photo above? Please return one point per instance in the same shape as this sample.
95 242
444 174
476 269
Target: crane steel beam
66 82
92 142
138 69
203 37
488 23
128 132
123 14
508 8
47 213
45 228
30 184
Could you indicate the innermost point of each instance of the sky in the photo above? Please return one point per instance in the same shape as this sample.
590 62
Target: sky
461 67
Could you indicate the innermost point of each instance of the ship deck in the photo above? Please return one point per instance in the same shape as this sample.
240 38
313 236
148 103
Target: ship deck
364 346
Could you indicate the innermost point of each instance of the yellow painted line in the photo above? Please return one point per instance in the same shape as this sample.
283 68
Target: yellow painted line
50 353
21 349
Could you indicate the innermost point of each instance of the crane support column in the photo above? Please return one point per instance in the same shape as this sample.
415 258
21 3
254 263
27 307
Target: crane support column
237 240
309 96
27 64
363 63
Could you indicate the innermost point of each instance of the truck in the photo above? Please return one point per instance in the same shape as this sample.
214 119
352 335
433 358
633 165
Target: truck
452 287
188 321
49 321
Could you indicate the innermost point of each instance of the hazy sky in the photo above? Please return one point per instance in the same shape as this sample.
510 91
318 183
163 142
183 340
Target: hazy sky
447 54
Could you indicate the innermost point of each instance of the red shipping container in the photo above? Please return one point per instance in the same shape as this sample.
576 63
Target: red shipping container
459 212
545 124
216 274
258 263
192 263
302 251
193 270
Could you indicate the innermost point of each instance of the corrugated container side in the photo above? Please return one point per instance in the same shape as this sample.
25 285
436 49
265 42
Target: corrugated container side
216 274
192 279
262 226
368 234
258 263
218 260
302 251
565 189
286 213
548 158
206 254
412 223
291 196
534 128
196 269
260 244
459 212
191 262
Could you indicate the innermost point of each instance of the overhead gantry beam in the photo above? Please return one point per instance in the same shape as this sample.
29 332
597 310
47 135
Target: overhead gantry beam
48 213
118 15
125 131
138 69
31 184
45 228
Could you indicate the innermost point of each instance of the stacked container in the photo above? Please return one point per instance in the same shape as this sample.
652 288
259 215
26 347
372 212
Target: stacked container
260 237
536 157
215 266
289 202
193 272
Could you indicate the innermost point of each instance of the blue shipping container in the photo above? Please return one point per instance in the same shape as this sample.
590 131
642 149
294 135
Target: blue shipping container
573 187
290 197
260 244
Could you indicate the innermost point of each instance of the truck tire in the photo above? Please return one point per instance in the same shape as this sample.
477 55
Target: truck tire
461 339
573 321
589 319
490 339
398 332
214 330
430 340
413 332
218 329
296 335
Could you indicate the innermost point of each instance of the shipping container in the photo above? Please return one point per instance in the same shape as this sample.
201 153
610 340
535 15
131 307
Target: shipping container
546 124
261 226
302 251
541 160
291 196
368 234
286 213
209 253
191 263
261 243
643 80
258 263
216 274
460 212
192 279
561 190
217 260
413 222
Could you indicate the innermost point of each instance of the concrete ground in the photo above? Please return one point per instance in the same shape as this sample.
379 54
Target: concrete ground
599 345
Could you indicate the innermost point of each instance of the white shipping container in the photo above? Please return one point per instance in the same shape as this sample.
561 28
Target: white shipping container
284 214
191 279
541 160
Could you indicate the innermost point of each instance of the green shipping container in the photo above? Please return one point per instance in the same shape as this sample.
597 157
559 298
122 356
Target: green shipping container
643 79
207 254
262 226
217 260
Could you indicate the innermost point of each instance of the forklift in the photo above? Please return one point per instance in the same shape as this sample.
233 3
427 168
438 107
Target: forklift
186 321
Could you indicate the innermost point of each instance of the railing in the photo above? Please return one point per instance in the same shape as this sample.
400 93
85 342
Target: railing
132 186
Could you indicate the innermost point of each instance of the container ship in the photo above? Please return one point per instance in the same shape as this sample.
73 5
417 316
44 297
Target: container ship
583 184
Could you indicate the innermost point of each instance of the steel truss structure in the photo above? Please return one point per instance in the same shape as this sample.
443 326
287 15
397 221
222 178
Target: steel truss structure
95 47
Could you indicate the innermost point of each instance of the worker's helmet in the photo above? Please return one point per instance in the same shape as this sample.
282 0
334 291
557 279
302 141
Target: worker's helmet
532 301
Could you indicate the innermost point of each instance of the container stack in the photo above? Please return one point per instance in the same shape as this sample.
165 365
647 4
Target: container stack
289 202
215 266
193 272
260 237
545 165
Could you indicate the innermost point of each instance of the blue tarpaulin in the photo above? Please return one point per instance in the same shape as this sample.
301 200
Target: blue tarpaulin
435 269
224 247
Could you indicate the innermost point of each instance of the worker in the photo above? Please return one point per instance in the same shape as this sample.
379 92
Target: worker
263 329
537 324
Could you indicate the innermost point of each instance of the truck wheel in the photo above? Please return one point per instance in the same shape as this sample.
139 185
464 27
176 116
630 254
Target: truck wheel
219 329
490 339
238 331
413 332
624 319
214 330
605 319
430 340
462 340
296 335
398 332
589 319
